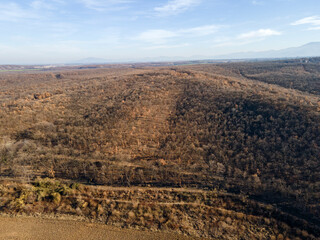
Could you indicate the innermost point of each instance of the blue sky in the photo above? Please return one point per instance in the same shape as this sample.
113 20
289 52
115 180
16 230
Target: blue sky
57 31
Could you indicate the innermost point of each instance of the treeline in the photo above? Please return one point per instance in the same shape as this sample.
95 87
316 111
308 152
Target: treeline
302 74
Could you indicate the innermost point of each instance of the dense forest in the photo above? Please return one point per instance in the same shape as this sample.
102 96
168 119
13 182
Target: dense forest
250 130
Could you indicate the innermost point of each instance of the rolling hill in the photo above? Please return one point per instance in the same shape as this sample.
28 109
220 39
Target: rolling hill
246 135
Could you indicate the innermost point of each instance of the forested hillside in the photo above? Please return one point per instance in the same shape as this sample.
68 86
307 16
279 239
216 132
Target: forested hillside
247 129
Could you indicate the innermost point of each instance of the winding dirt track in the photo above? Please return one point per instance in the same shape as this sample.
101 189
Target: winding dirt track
28 228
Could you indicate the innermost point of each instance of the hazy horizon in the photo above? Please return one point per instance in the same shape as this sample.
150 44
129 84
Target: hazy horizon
60 31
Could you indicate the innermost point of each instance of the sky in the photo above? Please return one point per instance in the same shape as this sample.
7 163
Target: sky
64 31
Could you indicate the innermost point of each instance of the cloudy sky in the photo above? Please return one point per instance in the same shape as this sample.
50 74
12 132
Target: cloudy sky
57 31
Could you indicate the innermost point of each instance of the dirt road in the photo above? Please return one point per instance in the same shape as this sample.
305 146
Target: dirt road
52 229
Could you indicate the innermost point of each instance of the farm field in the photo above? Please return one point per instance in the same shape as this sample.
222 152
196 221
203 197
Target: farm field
38 229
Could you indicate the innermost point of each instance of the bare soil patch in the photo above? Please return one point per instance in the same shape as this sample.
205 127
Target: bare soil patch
39 229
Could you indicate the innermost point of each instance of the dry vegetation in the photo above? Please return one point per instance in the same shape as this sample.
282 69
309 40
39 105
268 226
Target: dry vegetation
245 135
209 214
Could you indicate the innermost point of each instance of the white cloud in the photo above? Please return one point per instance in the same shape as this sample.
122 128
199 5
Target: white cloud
261 33
156 36
313 21
175 6
60 30
245 38
102 5
200 31
38 4
59 1
235 43
255 2
314 28
13 12
161 36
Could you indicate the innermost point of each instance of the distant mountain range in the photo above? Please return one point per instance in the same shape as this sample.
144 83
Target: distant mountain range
308 50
